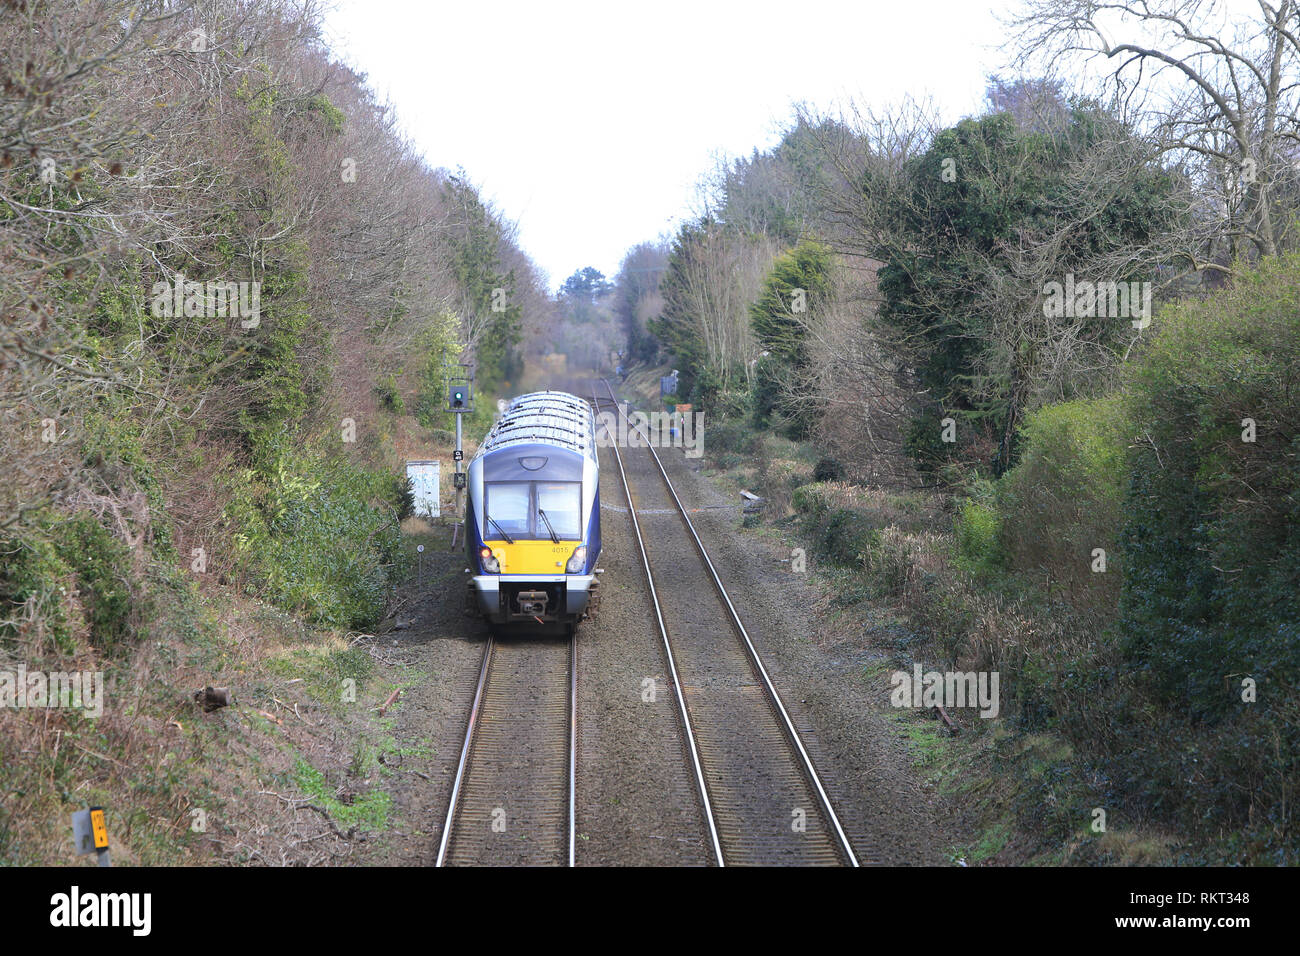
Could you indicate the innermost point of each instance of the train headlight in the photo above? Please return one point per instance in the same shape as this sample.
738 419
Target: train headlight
577 560
489 561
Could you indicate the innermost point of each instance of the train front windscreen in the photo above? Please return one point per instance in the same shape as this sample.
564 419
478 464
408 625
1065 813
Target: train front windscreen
527 510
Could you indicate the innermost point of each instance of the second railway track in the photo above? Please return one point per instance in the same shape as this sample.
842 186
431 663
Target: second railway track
763 799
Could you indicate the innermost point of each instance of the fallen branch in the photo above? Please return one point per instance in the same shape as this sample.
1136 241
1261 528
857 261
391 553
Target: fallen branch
947 720
352 831
294 709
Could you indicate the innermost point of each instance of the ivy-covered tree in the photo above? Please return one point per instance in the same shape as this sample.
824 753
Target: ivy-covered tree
793 291
685 292
491 313
986 219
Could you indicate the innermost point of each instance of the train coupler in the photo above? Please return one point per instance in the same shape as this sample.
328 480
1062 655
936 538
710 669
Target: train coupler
532 603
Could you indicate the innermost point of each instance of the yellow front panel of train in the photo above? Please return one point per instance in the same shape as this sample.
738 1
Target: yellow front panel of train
532 557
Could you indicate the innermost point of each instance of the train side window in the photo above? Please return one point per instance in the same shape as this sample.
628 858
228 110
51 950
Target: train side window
506 503
562 502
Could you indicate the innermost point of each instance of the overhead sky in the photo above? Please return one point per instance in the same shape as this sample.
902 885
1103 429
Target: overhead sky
592 124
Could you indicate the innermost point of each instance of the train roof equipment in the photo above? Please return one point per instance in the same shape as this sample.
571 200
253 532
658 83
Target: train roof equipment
550 418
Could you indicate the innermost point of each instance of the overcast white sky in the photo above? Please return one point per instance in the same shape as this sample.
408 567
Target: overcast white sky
590 124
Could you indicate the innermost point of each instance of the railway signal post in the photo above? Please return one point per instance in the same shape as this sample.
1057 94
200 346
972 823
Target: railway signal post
460 399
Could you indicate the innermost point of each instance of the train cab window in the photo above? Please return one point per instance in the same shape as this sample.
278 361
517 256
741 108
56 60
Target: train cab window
507 504
514 507
562 502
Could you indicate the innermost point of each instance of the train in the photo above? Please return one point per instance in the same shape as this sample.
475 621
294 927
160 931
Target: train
532 519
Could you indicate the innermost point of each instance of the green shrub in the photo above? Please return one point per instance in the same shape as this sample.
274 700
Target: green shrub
50 563
799 280
810 499
319 535
765 393
729 403
332 118
843 537
1063 499
705 388
1212 536
32 572
977 527
277 378
1211 543
730 436
115 446
102 565
389 396
828 469
923 440
404 493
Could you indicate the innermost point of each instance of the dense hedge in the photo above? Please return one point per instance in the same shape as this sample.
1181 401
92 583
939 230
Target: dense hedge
1212 587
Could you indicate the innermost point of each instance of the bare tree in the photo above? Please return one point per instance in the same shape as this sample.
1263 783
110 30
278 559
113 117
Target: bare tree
1218 90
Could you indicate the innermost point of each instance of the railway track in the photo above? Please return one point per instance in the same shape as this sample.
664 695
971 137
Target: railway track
512 800
763 801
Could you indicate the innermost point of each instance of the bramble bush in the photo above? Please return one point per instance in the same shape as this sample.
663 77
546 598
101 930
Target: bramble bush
76 577
319 535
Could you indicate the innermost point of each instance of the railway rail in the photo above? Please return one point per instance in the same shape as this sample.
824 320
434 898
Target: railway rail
762 798
513 796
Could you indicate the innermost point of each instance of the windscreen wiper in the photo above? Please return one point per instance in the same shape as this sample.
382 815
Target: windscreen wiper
555 538
509 540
